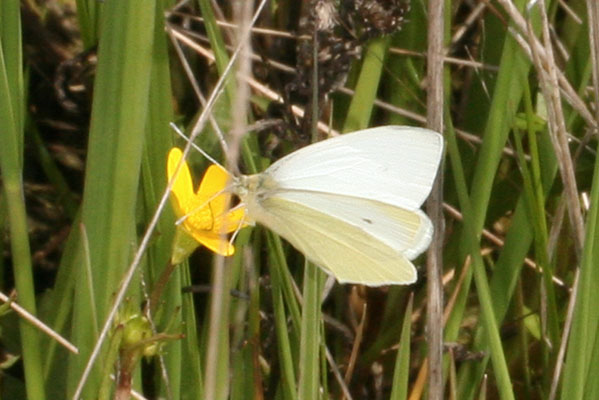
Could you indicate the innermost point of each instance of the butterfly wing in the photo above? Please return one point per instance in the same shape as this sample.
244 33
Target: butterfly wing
351 204
390 164
356 240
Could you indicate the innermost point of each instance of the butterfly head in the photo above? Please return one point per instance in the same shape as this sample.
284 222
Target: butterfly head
252 189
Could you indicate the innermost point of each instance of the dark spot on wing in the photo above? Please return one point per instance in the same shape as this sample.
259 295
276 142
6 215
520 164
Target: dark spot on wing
368 221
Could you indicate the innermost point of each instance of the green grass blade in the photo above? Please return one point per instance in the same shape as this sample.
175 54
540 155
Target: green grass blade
156 146
508 269
89 15
216 378
118 122
218 46
11 139
505 99
484 296
360 109
309 361
284 347
579 370
284 278
508 91
11 46
192 374
402 362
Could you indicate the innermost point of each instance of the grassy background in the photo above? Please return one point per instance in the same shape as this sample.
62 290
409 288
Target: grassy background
87 91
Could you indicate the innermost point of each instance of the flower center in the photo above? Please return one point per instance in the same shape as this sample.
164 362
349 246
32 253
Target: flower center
199 218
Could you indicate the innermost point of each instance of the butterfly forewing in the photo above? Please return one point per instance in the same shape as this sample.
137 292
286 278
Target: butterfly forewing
393 164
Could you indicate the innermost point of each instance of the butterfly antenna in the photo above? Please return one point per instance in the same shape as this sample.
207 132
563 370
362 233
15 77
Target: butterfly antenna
242 221
195 146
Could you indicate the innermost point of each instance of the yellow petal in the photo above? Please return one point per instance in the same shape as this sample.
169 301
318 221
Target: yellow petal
214 181
231 221
182 190
215 242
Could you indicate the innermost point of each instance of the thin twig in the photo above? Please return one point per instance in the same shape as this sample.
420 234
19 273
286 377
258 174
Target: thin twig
38 324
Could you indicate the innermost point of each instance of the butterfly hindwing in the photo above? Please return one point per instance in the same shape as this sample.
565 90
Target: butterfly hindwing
348 252
408 232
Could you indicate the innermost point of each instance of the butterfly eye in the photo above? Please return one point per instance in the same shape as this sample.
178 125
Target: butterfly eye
261 196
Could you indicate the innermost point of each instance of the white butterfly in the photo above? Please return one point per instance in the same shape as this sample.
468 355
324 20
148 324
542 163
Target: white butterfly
351 204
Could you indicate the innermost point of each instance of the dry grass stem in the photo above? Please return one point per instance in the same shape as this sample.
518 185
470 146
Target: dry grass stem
195 86
569 93
254 84
218 308
561 354
434 263
355 347
337 374
487 234
471 19
593 11
547 70
33 320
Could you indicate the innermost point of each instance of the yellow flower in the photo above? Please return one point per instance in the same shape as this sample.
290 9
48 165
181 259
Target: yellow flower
204 214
